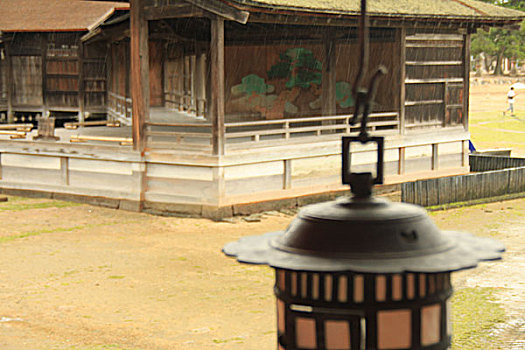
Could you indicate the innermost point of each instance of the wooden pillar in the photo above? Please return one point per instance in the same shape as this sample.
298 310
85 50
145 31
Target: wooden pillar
9 84
163 60
287 174
64 171
193 76
435 156
216 99
43 53
466 79
124 78
109 77
187 82
200 85
465 159
139 73
401 35
329 73
81 87
401 161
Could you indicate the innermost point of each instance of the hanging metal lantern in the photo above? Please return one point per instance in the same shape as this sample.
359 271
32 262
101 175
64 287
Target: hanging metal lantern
362 272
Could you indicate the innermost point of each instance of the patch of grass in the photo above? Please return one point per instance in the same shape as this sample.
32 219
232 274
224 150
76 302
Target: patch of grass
60 229
116 277
234 339
492 130
473 203
475 313
101 347
19 205
38 232
69 273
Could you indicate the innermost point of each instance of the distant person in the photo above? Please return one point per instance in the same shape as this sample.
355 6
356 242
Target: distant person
510 99
471 147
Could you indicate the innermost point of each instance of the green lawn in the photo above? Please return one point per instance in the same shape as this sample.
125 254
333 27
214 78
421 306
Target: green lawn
494 130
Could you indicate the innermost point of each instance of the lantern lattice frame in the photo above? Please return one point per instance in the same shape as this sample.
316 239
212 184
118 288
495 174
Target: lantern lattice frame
346 310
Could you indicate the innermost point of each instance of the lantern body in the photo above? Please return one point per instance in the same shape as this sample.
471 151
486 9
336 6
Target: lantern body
363 273
346 310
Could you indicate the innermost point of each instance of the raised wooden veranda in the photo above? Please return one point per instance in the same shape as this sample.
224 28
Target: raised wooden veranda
185 148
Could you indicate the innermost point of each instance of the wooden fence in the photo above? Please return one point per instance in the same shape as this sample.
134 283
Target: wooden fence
480 162
465 188
184 136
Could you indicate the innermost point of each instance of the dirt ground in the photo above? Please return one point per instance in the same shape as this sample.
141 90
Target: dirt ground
83 277
77 277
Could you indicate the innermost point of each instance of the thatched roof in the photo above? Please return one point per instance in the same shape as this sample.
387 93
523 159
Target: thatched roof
54 15
450 9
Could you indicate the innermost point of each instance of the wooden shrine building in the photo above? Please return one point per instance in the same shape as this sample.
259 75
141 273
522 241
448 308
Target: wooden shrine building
231 104
44 68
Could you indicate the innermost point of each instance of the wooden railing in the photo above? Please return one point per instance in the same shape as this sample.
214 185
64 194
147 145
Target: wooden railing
193 136
76 125
271 130
119 108
262 132
123 141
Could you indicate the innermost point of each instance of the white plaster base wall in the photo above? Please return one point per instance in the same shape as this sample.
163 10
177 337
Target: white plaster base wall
199 185
62 170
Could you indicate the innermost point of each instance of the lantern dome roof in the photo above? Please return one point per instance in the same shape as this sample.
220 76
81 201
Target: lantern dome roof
366 235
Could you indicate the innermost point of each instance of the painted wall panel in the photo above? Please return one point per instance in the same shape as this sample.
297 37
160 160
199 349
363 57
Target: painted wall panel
253 170
31 175
114 182
315 167
189 188
99 166
254 185
30 161
180 172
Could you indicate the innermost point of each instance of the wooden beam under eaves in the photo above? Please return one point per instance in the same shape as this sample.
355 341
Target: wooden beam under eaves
185 10
197 8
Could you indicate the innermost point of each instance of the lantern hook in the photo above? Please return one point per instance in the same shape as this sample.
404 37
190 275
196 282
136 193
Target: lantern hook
364 97
361 183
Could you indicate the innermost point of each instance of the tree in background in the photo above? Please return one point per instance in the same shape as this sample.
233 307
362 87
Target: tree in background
498 43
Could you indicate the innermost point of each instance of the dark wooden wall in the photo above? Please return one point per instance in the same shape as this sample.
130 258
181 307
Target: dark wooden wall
120 80
435 80
381 53
55 72
94 73
174 83
62 70
156 54
120 77
25 51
